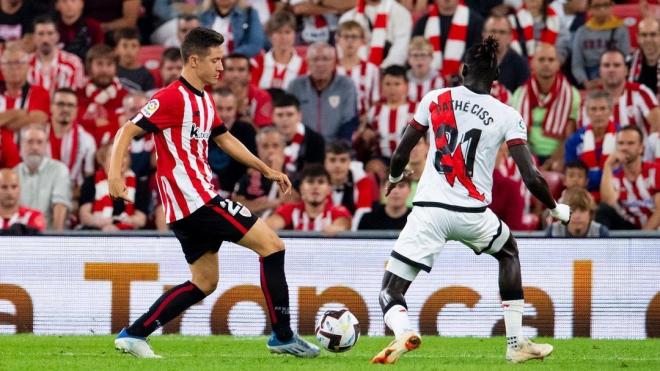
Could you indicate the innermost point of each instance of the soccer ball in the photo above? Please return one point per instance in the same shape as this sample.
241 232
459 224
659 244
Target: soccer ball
337 330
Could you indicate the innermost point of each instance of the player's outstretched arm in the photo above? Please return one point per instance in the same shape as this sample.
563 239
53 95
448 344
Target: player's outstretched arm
535 181
234 148
411 137
116 185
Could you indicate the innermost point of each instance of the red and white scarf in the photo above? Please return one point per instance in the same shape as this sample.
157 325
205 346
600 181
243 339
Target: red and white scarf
558 103
500 92
636 68
378 29
448 60
65 149
417 88
103 202
526 22
104 95
292 150
365 77
275 75
389 123
608 145
65 71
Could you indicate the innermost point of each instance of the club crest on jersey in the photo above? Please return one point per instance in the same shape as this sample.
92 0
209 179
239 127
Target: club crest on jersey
150 108
334 101
197 133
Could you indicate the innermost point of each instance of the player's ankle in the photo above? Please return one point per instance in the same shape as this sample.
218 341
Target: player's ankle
283 334
514 342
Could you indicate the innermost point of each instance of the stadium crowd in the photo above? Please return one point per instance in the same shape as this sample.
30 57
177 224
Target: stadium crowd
322 90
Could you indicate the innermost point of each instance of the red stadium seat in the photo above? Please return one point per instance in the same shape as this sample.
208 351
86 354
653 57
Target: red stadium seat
150 56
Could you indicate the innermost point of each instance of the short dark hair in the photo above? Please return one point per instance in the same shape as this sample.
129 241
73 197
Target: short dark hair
314 171
634 128
481 59
43 19
64 91
279 20
223 91
198 41
577 164
238 56
613 50
100 51
395 71
171 54
286 100
338 147
127 33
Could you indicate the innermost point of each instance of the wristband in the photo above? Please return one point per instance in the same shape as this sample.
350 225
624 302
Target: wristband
395 180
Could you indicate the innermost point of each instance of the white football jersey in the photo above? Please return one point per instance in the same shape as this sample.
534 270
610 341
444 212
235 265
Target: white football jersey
467 130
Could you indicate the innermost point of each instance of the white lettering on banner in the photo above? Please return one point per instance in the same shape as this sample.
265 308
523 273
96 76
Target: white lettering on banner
603 288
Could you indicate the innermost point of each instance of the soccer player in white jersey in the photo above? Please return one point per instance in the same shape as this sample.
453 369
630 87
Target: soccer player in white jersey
467 128
182 118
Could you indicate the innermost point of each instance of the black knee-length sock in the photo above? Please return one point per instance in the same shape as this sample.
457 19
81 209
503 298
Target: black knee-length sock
276 293
168 306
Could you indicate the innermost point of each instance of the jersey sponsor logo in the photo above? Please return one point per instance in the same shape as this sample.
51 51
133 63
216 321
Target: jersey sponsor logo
197 133
150 108
334 101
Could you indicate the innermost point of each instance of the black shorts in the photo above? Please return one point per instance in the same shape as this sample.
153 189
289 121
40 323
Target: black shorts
205 229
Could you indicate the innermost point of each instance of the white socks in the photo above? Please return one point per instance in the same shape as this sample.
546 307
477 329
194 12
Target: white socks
397 319
513 313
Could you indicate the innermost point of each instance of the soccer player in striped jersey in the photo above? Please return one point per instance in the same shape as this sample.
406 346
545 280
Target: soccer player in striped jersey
183 118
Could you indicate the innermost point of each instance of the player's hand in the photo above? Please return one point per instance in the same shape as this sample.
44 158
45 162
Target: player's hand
117 189
562 212
282 180
390 186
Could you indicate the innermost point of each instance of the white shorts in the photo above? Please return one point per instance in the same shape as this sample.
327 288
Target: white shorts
429 228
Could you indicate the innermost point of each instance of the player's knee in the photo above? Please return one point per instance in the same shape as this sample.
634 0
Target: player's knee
389 296
206 282
509 250
275 244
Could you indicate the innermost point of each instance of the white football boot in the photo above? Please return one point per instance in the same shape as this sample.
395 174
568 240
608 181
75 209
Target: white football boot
134 345
528 350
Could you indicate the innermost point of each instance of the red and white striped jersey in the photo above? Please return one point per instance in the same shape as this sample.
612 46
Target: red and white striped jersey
37 99
631 108
64 71
637 197
31 218
295 217
76 149
267 73
389 123
182 119
222 25
417 88
366 78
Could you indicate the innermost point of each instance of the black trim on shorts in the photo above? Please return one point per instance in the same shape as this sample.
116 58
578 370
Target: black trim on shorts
415 264
499 232
461 209
147 125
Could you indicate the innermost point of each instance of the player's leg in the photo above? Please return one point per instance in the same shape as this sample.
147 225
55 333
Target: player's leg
265 242
519 348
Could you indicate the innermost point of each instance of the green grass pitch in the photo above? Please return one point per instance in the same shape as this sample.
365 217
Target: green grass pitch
29 352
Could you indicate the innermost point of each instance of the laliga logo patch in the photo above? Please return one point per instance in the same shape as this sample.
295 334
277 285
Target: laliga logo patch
521 125
150 108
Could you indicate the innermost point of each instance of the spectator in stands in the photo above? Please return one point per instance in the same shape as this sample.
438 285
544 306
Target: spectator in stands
572 15
16 20
113 14
9 156
328 102
100 100
388 118
536 22
240 26
444 26
581 223
318 19
143 155
281 64
392 215
50 67
514 69
68 141
254 190
131 73
45 183
421 77
389 25
99 211
550 106
628 189
576 174
416 165
602 31
20 103
315 212
253 104
166 10
364 74
303 145
351 186
228 170
16 219
634 104
184 24
592 144
171 65
78 33
645 65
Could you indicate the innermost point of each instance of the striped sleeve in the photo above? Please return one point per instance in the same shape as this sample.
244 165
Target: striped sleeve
164 110
645 100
